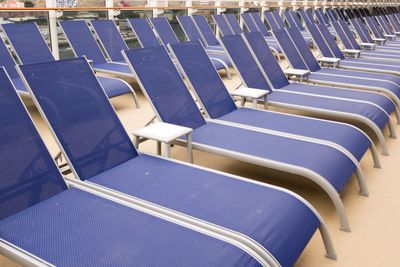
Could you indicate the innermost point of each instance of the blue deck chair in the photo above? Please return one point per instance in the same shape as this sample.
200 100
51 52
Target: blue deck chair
83 43
321 17
193 33
168 36
305 17
332 16
374 28
206 31
108 152
36 207
313 100
218 105
293 20
30 47
272 22
300 57
143 32
110 39
385 27
241 143
394 23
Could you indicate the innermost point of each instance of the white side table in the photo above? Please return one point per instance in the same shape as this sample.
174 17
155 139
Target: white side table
300 74
391 37
165 133
330 61
252 93
380 41
369 46
352 52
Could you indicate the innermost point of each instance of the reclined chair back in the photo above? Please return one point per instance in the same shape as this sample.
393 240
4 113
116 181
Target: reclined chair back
27 42
7 60
321 16
143 32
204 79
393 21
349 34
205 29
260 24
164 30
342 36
384 25
278 19
223 26
293 20
361 30
110 39
92 138
271 20
374 27
333 46
190 29
305 17
249 22
244 62
82 41
233 22
319 40
28 174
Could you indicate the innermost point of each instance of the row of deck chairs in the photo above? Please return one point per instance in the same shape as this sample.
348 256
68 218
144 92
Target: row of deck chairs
129 208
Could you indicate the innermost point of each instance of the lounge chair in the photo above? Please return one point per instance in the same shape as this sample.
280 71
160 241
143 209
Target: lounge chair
217 103
237 142
300 56
105 158
43 223
30 47
206 31
255 72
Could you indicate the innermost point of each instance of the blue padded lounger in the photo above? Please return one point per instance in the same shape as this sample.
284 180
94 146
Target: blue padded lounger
256 72
253 146
300 57
30 47
213 200
43 223
218 104
331 49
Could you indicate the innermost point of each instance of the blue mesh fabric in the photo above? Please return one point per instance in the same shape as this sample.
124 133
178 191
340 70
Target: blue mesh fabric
293 20
349 34
278 20
235 26
76 228
204 79
260 24
168 88
249 22
82 40
143 32
323 29
319 40
310 16
88 128
374 27
28 42
305 18
110 38
266 59
190 29
244 62
321 16
343 38
223 26
7 61
271 21
291 53
206 30
304 49
164 30
28 174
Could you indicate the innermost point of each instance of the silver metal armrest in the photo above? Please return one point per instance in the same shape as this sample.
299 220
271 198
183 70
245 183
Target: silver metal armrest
164 133
253 94
329 61
298 73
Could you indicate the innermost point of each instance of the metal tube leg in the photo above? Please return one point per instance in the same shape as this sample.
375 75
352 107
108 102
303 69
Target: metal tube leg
392 130
326 238
361 183
242 101
265 102
135 99
136 141
375 156
397 113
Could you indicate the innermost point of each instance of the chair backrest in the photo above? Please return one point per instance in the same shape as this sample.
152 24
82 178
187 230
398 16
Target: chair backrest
249 22
292 19
260 24
205 29
304 49
384 24
321 16
244 62
306 19
393 21
361 31
164 30
233 22
349 34
263 55
28 174
333 46
190 29
110 38
270 18
374 27
204 79
339 13
143 32
82 41
342 36
7 60
27 42
80 115
223 25
289 49
279 20
310 16
319 40
331 14
164 87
